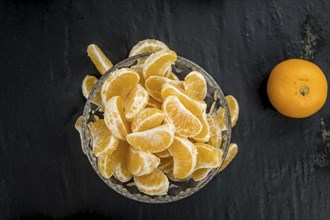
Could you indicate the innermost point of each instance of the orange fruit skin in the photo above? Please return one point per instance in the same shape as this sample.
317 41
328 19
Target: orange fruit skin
285 83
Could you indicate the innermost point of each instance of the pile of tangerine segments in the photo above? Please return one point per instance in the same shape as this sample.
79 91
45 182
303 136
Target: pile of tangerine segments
155 127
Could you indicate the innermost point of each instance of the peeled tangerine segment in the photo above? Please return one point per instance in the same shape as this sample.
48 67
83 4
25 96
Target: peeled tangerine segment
208 156
204 134
100 60
136 102
220 118
122 173
166 165
233 109
155 183
152 103
154 86
103 141
195 85
153 140
184 154
232 151
215 132
200 174
163 154
120 83
87 86
141 163
147 119
195 106
157 63
185 123
147 46
107 163
115 119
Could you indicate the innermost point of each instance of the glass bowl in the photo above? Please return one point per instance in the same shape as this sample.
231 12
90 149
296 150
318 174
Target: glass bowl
177 190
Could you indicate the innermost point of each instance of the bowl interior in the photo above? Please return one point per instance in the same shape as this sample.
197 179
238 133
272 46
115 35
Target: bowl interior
177 190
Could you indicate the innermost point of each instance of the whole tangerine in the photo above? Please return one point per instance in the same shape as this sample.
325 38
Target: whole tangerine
297 88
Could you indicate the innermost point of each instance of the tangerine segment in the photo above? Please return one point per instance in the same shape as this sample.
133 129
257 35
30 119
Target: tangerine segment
232 152
215 132
147 46
163 154
154 86
152 103
166 165
196 107
147 119
115 119
233 109
157 63
208 156
87 86
107 163
204 134
120 83
140 163
185 123
200 174
136 102
220 118
195 85
184 154
153 140
122 173
155 183
78 124
138 68
103 141
169 74
100 60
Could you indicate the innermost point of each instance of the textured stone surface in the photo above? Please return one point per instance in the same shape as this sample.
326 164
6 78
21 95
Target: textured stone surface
43 61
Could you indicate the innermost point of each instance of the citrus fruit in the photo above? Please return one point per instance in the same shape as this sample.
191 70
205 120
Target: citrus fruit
215 132
200 174
101 62
157 63
87 86
154 183
184 154
220 118
140 163
107 163
204 134
122 173
103 141
147 119
166 165
297 88
170 75
147 46
171 177
208 156
232 151
120 83
163 154
154 86
115 119
233 109
153 140
78 124
152 103
138 69
185 123
195 106
195 85
135 102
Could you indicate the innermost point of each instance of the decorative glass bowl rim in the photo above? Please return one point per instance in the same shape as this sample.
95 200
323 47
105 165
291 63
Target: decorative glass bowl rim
153 199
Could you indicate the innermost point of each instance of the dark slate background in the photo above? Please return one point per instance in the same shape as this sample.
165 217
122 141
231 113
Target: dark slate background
43 172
